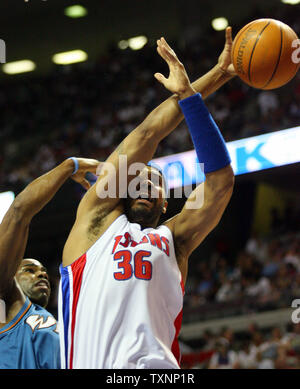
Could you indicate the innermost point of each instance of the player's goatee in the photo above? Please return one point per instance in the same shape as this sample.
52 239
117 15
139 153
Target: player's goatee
141 214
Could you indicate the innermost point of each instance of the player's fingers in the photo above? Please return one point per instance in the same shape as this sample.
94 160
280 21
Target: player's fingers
165 51
85 184
164 54
168 46
160 52
91 160
94 167
169 57
160 78
228 35
95 161
171 53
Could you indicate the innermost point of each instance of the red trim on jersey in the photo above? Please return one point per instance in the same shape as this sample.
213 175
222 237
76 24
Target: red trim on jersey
175 345
77 271
182 286
14 324
177 324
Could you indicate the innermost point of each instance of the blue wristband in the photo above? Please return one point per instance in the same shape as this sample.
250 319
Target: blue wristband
76 164
207 139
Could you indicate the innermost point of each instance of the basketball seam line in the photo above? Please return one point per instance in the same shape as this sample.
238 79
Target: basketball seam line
278 60
239 34
257 39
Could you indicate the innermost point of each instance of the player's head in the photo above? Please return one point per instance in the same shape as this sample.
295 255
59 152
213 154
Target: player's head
33 279
148 200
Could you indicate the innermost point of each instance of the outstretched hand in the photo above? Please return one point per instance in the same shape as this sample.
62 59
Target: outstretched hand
178 81
224 61
85 165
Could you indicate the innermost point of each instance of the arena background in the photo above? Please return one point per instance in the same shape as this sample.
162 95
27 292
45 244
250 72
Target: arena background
245 275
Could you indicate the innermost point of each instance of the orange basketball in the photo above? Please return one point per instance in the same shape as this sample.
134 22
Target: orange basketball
262 54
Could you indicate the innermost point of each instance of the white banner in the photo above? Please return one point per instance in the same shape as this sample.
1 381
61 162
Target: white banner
6 199
247 155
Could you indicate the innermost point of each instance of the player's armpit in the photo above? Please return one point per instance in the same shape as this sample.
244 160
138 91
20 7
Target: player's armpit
85 231
202 210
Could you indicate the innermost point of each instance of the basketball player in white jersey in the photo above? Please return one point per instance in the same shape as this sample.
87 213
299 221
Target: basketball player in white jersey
122 285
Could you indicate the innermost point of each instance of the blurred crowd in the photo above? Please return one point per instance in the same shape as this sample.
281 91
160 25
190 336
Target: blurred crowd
87 109
265 276
253 348
264 273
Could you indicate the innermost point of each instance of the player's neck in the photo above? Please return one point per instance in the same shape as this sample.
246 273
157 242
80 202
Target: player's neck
144 223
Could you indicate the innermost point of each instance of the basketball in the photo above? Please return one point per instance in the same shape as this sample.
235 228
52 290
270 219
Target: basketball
262 54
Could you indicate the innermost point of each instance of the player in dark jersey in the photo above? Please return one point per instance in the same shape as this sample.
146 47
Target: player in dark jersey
28 333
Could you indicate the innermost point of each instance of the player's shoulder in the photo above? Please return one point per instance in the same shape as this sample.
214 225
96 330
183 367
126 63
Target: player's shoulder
38 318
170 223
38 309
166 227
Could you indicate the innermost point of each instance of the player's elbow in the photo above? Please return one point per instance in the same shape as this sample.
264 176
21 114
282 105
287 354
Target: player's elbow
223 186
142 136
220 198
154 127
19 210
225 190
228 184
148 133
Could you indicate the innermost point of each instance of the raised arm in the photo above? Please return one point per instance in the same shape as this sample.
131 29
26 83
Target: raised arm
206 204
15 225
140 145
98 209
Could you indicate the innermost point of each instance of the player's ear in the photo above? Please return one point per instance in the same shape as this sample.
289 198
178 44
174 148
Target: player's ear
165 207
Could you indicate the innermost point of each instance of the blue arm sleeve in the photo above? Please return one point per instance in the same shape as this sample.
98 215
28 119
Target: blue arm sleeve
207 139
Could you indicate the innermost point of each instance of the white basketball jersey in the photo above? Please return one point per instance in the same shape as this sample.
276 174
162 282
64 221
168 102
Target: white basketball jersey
120 304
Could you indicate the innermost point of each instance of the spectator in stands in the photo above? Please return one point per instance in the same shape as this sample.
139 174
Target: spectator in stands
246 357
205 286
256 247
295 287
268 102
292 256
283 282
252 329
272 264
292 338
276 338
224 357
259 348
229 289
263 362
258 288
209 341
